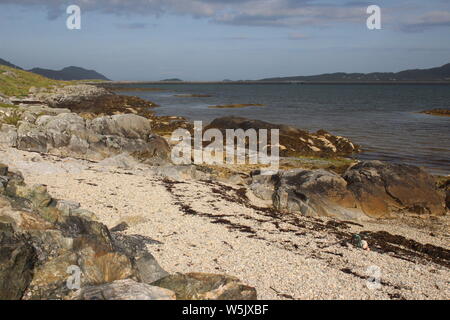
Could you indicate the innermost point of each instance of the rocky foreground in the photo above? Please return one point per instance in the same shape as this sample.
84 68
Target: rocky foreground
199 225
305 232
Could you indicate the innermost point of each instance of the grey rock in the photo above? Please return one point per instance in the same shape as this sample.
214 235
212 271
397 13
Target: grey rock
315 193
67 134
8 135
67 207
125 290
149 269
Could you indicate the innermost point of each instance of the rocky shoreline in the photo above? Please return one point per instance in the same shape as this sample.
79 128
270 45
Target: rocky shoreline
437 112
110 154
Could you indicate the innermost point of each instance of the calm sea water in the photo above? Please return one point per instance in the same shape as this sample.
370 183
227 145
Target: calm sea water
383 119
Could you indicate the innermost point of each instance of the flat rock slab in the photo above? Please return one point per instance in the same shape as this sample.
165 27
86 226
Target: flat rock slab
125 290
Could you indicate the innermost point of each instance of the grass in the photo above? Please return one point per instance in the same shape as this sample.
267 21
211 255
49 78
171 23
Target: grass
8 106
12 119
14 82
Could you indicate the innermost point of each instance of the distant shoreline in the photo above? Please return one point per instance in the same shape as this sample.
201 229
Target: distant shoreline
113 83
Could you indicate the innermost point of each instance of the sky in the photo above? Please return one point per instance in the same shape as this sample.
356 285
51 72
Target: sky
225 39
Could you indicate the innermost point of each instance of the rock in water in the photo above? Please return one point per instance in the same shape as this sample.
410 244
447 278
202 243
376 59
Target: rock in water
293 141
125 290
205 286
384 189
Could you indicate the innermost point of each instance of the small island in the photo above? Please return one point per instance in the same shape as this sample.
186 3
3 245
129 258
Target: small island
437 112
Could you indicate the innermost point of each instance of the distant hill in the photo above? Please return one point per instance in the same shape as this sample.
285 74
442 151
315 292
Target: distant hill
172 80
70 73
438 74
16 82
9 64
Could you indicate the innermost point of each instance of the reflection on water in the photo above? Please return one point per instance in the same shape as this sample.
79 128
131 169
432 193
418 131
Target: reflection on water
383 119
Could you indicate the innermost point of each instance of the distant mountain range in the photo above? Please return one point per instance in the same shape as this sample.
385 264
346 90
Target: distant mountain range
70 73
9 64
433 74
67 74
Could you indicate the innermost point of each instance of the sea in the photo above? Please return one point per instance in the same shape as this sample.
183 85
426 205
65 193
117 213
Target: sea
383 119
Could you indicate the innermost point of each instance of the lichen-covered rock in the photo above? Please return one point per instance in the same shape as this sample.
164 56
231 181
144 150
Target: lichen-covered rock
17 259
50 278
205 286
124 290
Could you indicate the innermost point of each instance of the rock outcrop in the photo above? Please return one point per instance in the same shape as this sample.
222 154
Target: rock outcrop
125 290
293 141
382 189
68 134
91 101
437 112
53 249
369 189
203 286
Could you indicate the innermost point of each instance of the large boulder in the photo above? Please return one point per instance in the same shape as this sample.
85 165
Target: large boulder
205 286
384 189
293 141
125 125
314 193
372 189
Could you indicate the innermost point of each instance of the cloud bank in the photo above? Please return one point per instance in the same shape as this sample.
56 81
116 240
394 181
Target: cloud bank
268 13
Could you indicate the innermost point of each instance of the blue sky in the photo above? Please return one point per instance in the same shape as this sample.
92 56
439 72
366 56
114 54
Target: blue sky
225 39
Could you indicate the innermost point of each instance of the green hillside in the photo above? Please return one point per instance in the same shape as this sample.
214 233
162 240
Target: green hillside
15 82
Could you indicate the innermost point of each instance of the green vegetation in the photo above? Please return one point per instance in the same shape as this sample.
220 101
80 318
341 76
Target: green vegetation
12 119
15 82
8 106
